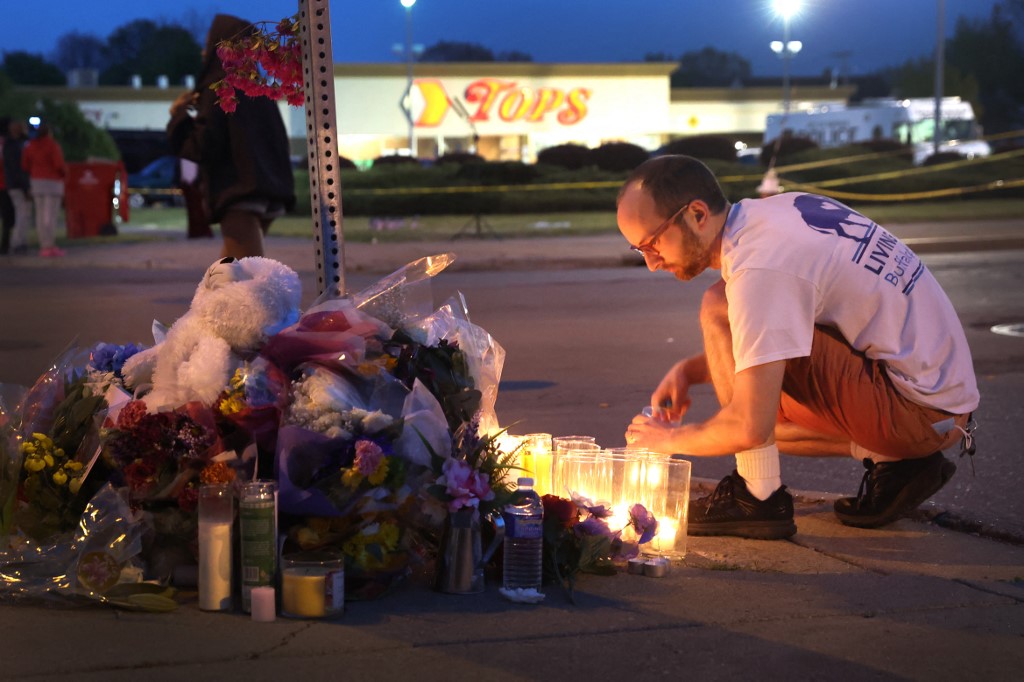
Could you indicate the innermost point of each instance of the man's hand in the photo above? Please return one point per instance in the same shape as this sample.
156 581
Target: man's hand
671 399
650 433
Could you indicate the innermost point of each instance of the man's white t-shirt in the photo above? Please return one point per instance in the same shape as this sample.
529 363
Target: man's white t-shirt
796 260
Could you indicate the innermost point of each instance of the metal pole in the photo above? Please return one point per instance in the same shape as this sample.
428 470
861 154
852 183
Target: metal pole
408 65
940 58
322 142
785 64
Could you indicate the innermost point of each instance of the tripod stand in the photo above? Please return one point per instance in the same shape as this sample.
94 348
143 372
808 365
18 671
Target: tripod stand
477 226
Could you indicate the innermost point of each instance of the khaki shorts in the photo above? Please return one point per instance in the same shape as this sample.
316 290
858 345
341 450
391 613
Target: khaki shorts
838 391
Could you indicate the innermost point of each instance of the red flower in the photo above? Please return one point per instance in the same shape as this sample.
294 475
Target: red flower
560 508
140 476
131 414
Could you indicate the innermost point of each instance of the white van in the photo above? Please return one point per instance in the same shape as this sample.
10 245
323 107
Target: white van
909 121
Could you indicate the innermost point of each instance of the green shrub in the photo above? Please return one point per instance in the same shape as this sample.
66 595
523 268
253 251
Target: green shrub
898 149
498 173
786 147
703 147
941 157
571 156
395 160
618 156
459 158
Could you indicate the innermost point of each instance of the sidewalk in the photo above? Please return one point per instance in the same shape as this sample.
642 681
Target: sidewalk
606 250
911 601
915 600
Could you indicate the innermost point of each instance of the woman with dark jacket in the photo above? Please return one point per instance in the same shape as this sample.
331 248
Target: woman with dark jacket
243 156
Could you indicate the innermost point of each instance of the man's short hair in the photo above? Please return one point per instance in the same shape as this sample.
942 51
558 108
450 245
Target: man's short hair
673 180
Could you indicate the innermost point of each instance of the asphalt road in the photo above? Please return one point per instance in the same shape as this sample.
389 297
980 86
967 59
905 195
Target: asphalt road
584 347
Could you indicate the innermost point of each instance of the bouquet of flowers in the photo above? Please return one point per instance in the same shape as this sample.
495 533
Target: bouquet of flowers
60 440
578 539
476 475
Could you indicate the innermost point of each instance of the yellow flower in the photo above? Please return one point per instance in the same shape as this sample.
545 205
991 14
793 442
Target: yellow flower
233 404
351 478
59 477
307 537
74 484
43 439
48 458
73 466
237 379
389 535
34 464
378 476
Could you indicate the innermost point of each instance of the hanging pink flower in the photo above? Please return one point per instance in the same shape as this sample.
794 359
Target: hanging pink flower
465 486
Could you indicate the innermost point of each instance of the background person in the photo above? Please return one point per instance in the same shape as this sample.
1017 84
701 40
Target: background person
17 184
6 207
824 336
243 156
43 160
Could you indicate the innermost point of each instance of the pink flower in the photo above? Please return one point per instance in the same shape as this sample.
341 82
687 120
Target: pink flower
465 486
368 457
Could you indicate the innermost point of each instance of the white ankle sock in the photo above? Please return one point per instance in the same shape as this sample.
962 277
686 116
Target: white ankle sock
760 469
860 454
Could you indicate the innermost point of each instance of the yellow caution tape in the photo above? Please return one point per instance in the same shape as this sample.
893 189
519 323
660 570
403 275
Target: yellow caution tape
906 196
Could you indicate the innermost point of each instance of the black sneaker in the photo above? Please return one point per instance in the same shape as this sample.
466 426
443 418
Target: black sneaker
732 510
891 490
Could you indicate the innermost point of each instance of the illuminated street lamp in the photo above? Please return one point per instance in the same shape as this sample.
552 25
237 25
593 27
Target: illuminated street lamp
786 48
409 59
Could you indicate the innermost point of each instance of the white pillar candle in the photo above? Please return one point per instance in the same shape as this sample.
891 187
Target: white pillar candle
214 566
263 609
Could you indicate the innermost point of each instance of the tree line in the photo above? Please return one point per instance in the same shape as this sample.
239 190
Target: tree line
983 62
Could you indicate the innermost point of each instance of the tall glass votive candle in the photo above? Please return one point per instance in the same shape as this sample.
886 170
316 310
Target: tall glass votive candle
312 585
216 515
671 538
563 444
537 460
577 472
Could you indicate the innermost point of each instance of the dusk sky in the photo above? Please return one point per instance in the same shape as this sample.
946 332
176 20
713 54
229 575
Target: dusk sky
874 33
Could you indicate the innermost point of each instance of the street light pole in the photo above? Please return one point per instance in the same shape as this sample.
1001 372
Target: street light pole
785 64
786 9
407 4
940 54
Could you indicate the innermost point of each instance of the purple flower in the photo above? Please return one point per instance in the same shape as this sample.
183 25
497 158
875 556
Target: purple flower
594 509
465 486
109 357
643 522
593 526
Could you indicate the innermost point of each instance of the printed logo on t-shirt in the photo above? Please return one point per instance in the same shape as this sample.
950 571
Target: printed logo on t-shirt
878 251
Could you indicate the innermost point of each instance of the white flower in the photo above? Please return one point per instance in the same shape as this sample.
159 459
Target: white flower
376 421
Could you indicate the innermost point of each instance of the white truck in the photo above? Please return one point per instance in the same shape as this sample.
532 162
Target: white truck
910 121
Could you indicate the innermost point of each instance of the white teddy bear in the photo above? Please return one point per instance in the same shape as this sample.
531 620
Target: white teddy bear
237 306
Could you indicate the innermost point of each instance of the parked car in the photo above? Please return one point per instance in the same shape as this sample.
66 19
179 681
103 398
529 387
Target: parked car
157 183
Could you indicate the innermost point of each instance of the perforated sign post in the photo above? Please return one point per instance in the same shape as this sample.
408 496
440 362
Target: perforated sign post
322 141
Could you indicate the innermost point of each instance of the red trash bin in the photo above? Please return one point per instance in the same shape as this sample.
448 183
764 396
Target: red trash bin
95 197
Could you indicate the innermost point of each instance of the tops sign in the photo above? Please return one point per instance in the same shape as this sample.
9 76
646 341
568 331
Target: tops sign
492 99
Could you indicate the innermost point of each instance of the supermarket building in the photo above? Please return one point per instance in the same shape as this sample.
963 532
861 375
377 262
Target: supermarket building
501 110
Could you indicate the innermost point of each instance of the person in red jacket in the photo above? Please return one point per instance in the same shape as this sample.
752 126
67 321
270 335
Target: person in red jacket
43 160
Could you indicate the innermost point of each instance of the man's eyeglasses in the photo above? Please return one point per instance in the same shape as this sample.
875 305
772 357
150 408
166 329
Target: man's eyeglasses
646 247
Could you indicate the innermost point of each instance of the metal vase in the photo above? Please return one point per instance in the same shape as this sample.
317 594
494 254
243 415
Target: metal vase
461 559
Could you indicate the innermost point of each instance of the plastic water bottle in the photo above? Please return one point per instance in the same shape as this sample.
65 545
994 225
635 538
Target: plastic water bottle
524 539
